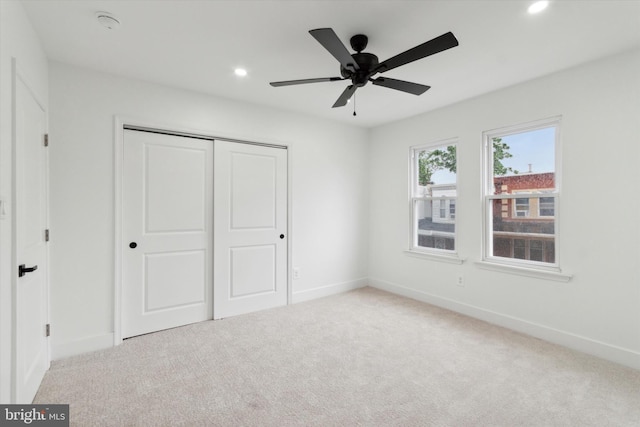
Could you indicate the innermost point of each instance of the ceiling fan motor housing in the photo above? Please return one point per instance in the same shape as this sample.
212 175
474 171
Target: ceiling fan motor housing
367 62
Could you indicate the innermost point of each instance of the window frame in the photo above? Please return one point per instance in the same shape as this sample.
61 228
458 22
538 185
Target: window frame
488 196
450 255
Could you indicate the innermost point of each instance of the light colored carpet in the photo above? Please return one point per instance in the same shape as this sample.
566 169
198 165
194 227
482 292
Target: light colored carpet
363 358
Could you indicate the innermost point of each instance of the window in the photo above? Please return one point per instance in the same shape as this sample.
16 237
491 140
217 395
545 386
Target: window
519 248
547 206
522 207
433 198
521 195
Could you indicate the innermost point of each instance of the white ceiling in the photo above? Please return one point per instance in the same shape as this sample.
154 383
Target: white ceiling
196 44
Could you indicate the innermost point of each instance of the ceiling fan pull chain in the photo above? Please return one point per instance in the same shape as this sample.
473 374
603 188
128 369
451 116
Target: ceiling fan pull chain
354 104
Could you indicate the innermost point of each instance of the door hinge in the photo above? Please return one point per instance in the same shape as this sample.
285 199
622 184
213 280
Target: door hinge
46 235
46 139
47 330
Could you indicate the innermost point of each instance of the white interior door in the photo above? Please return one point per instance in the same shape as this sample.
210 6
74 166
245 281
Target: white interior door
250 250
167 225
31 355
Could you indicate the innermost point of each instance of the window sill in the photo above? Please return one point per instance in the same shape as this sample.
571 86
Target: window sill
524 271
451 258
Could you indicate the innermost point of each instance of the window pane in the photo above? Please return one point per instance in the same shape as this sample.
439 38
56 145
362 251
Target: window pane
547 206
522 207
522 237
434 197
503 247
523 176
436 166
519 248
524 162
536 250
432 232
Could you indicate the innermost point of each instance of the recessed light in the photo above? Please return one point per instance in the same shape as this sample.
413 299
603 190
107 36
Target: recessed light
107 20
240 72
538 7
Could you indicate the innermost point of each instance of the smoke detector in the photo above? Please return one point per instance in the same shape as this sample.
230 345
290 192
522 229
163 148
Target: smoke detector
107 20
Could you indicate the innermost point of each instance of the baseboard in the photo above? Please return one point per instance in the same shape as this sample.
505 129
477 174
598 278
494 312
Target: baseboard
583 344
324 291
80 346
99 342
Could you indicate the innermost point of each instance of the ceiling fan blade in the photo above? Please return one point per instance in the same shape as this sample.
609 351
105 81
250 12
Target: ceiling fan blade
330 41
443 42
304 81
414 88
346 95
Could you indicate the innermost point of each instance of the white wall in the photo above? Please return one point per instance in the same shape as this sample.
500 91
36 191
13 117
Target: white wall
19 41
598 310
329 172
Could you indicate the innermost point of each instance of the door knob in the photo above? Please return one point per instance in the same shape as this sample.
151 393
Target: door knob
133 245
22 270
282 236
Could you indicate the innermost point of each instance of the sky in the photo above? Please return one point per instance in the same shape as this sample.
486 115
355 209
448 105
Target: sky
535 147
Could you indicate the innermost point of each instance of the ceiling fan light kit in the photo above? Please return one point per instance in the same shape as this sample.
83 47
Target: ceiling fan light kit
360 67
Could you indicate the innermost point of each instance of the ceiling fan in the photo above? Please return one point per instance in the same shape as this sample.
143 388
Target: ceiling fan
360 67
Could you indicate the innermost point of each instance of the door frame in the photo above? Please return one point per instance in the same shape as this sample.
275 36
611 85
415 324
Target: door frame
121 122
17 74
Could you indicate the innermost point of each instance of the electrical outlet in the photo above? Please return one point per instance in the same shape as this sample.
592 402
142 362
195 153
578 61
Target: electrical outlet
460 280
296 273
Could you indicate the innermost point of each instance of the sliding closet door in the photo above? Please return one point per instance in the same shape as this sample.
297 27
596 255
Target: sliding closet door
250 253
167 231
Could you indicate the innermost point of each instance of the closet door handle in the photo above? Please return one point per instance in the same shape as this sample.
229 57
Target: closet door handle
22 270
